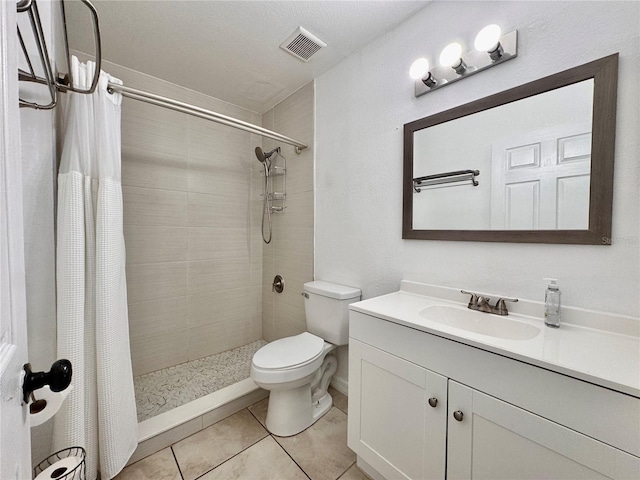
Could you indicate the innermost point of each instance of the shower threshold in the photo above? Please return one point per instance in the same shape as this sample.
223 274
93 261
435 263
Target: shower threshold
167 389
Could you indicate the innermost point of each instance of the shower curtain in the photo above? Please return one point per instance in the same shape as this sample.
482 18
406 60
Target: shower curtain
93 332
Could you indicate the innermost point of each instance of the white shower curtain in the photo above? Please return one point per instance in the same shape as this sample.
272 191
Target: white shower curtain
93 326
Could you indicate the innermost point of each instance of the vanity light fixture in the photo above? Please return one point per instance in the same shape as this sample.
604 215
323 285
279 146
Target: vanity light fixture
451 56
420 71
491 48
488 40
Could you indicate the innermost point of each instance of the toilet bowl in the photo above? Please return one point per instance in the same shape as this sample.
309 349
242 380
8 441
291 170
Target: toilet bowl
297 370
288 368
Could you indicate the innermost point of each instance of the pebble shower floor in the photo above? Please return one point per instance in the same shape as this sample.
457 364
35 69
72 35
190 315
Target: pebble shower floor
160 391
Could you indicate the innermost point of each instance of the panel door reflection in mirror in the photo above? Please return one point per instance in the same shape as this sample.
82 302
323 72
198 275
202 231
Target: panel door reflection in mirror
533 164
535 155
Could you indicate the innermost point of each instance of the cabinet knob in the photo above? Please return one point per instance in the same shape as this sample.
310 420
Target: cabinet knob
433 401
458 415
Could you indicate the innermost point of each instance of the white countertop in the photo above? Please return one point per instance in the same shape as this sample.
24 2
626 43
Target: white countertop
606 358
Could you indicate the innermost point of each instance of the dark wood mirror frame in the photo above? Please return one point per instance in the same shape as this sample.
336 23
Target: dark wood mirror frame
605 74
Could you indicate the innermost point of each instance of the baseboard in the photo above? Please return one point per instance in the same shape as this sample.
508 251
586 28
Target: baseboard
368 470
341 385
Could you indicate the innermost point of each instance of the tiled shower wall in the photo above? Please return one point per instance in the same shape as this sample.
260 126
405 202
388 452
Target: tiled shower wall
192 228
290 252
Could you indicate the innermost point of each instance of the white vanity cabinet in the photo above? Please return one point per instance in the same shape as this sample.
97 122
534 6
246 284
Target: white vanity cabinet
496 440
400 425
495 417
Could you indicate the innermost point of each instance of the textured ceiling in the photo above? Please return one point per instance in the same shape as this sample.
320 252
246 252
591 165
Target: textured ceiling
230 49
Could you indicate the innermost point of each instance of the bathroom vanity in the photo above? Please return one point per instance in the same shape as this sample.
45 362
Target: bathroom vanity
438 391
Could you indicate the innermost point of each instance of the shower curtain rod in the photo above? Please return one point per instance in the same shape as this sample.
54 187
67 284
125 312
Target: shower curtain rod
202 113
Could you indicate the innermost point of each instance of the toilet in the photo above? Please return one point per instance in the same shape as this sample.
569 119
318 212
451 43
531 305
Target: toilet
297 370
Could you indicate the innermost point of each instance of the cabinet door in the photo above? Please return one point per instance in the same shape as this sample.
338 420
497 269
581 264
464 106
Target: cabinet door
496 440
392 425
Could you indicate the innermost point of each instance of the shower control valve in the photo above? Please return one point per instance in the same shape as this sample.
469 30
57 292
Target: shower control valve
278 284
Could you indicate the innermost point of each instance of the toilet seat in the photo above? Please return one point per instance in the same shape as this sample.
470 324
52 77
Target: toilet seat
288 359
289 352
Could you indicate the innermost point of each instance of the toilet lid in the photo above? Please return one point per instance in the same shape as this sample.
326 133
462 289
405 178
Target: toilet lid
289 352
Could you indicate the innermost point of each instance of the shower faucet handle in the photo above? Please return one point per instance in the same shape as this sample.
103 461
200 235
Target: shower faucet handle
278 284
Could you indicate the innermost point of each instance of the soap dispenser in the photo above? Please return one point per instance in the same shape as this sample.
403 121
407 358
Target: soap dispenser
552 304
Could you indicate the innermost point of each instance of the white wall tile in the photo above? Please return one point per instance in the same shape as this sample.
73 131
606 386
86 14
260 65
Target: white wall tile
213 141
211 210
209 243
156 280
164 315
294 116
287 327
153 206
217 180
214 338
299 211
300 171
191 193
290 253
141 168
220 274
224 306
155 244
154 136
154 352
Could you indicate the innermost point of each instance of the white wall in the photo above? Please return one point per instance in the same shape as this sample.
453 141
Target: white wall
363 102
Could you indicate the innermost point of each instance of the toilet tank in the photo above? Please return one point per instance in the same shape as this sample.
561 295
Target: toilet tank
326 307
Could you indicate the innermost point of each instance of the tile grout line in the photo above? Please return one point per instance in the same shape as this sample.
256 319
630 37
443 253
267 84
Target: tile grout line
267 434
300 467
278 443
348 468
177 463
233 456
288 455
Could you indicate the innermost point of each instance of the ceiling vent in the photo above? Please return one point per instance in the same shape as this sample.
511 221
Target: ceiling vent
302 44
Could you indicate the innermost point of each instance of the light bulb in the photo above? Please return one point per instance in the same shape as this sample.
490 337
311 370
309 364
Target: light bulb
450 55
419 68
488 39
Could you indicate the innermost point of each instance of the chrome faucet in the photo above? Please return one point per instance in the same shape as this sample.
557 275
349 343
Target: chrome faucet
482 304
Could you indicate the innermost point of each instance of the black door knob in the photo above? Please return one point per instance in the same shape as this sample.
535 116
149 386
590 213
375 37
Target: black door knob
58 378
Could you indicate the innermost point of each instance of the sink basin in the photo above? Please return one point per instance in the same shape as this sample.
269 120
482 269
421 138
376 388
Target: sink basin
480 322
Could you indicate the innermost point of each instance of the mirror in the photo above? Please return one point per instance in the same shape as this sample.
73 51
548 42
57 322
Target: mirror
531 164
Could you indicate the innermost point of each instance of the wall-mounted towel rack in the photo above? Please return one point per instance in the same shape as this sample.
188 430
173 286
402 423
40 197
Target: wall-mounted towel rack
55 82
420 183
63 83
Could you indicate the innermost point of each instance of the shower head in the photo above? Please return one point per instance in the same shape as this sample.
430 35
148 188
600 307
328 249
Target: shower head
263 157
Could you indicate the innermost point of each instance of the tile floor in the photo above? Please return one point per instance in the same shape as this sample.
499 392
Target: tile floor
239 447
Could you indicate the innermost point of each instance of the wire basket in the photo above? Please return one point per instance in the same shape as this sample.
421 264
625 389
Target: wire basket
67 464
